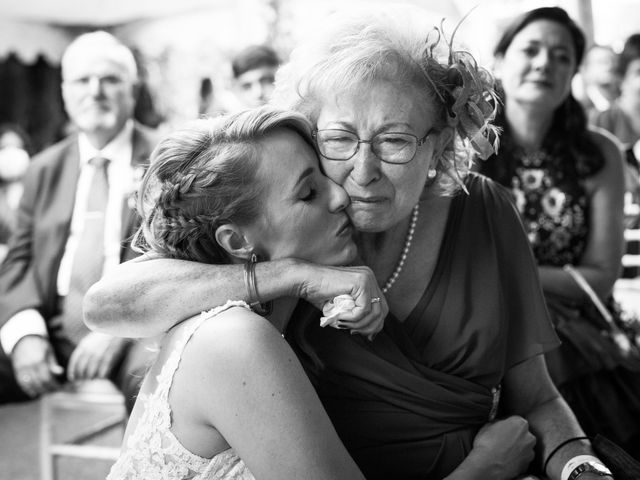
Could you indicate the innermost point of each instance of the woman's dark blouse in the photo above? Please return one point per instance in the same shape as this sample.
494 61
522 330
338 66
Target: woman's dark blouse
409 404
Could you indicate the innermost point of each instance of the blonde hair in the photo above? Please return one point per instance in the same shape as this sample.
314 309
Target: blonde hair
398 45
203 176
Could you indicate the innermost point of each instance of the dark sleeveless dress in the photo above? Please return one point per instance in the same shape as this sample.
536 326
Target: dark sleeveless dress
601 385
409 404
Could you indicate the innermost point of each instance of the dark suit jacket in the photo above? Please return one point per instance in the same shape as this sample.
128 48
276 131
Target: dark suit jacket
28 275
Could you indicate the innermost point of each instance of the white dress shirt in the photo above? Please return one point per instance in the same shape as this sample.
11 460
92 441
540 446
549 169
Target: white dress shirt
121 185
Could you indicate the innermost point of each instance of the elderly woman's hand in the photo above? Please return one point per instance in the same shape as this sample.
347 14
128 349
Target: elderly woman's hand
507 447
365 315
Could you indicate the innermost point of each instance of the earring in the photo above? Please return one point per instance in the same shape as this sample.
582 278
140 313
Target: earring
431 173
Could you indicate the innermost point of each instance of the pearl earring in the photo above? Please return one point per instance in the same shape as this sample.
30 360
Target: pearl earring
431 173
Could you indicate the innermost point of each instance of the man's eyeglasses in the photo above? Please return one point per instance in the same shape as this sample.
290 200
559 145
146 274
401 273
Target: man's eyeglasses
390 147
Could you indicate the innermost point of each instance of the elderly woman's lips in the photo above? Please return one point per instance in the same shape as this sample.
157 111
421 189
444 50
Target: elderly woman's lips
368 199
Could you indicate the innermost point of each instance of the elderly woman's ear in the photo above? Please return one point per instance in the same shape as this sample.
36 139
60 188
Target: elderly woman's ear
442 141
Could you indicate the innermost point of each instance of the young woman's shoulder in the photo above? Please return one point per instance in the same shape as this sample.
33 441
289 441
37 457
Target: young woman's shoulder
229 351
235 334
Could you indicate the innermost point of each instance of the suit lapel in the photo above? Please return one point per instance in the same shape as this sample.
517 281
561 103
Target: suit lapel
65 197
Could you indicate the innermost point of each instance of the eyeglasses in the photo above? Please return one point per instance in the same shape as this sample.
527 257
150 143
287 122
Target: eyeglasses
390 147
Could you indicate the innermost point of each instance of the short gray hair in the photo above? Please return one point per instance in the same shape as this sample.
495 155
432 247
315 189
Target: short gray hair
400 45
103 43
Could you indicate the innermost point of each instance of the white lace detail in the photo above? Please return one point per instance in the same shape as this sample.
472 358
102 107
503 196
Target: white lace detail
152 451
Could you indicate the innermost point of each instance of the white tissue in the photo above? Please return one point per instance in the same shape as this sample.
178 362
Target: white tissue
333 308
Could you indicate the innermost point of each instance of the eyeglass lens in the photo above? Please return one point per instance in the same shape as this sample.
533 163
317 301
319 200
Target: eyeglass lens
390 147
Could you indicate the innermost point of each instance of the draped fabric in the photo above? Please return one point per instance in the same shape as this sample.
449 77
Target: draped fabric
409 404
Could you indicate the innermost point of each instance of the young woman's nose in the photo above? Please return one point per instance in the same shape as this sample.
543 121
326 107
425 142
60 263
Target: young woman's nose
338 198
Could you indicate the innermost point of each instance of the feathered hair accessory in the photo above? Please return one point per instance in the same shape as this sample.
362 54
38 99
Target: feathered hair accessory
467 92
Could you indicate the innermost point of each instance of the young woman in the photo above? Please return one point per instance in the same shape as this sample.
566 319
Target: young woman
226 398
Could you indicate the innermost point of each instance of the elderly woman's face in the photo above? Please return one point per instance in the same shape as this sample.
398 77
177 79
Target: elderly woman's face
538 66
381 193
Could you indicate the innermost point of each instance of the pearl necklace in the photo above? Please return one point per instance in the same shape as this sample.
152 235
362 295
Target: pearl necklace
407 246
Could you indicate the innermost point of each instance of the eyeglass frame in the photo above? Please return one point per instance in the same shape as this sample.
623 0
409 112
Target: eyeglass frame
419 143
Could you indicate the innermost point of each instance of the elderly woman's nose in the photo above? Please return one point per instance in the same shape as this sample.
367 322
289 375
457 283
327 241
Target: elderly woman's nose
366 165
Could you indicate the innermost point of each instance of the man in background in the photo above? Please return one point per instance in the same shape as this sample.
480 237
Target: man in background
254 70
75 221
600 79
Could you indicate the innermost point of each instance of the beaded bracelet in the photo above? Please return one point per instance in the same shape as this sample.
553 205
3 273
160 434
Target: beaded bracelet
555 450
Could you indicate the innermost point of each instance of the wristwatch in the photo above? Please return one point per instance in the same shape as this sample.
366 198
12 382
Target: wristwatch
592 467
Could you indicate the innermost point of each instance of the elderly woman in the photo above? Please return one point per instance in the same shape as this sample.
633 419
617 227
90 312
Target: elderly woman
568 185
395 117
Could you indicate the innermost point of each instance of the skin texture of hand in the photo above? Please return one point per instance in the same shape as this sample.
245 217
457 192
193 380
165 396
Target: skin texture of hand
95 356
508 445
35 365
325 283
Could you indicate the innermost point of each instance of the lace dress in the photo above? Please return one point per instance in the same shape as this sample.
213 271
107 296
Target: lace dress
600 383
152 451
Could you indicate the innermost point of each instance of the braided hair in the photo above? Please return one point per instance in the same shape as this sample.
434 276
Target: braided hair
204 176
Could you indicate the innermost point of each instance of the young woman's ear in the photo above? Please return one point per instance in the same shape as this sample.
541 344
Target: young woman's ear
231 238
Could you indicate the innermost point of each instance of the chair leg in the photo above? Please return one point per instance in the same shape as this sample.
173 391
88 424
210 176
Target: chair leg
47 466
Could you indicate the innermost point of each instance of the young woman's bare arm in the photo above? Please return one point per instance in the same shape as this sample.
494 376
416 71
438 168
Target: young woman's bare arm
252 389
147 296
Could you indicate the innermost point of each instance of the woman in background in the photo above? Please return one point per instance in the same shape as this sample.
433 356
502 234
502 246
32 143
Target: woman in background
568 186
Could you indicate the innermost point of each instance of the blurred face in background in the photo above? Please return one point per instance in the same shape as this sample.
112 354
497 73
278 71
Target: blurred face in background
630 86
538 66
11 139
254 87
99 89
599 69
14 159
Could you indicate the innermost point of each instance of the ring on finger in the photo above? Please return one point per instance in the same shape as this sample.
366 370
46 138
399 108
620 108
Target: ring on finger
375 300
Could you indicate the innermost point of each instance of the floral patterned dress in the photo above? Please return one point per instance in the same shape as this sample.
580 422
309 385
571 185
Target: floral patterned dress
554 210
600 383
